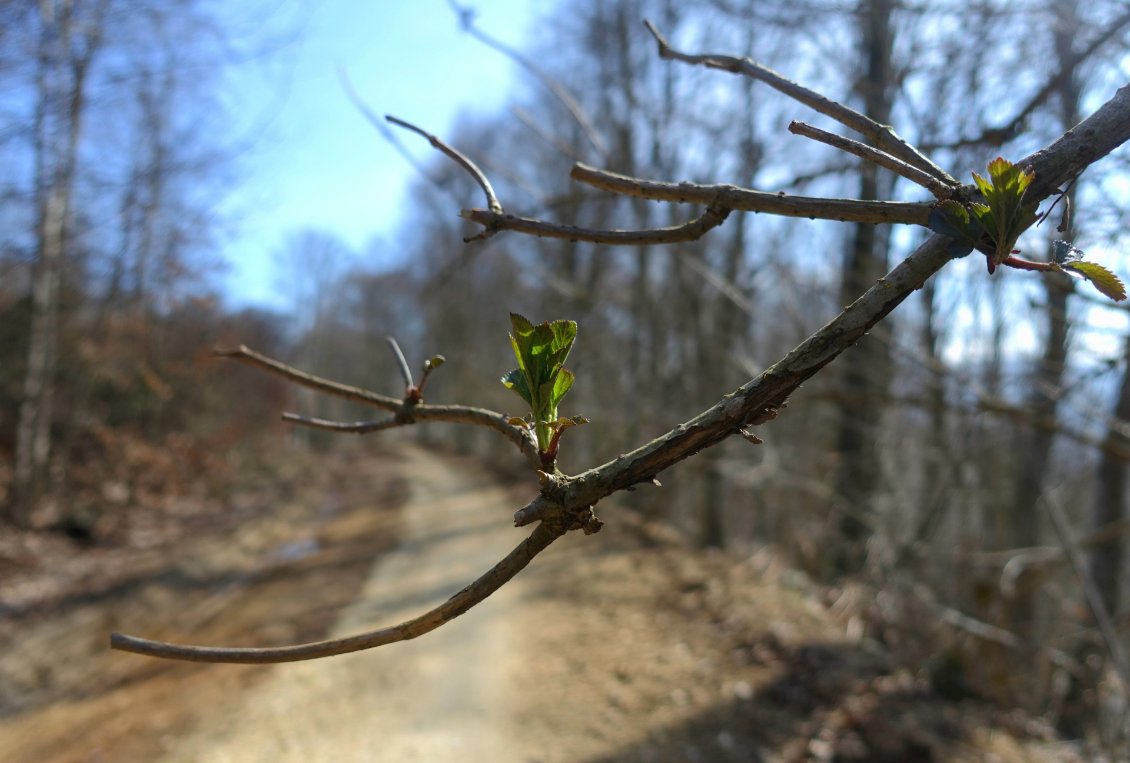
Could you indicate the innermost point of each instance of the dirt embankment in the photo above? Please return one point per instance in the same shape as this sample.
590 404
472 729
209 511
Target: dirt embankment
626 646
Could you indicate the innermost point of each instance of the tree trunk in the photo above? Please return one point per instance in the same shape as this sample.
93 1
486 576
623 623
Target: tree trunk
866 369
1110 494
1023 525
63 62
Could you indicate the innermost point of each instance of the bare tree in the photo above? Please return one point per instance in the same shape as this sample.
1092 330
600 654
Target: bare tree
69 37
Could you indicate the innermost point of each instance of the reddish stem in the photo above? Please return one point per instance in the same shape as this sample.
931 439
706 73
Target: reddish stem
1022 264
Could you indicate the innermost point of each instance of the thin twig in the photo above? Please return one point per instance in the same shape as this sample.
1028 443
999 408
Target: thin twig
492 201
356 427
881 135
747 200
456 414
466 16
388 134
405 372
693 230
249 357
498 575
875 156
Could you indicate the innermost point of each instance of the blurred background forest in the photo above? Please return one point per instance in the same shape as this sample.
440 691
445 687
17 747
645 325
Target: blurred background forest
928 461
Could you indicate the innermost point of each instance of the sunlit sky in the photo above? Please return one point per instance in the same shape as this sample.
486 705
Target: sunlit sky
319 163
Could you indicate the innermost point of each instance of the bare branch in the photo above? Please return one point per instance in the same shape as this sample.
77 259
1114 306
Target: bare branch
356 427
409 413
881 135
875 156
405 372
746 200
695 229
387 133
492 200
466 16
498 575
249 357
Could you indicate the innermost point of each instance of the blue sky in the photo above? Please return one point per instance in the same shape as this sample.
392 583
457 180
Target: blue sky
319 163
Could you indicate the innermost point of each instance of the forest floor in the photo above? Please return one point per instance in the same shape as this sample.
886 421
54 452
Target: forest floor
625 646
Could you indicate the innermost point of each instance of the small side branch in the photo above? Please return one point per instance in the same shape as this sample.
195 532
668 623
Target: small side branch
747 200
455 414
875 156
695 229
881 135
356 427
402 364
498 575
466 16
249 357
492 201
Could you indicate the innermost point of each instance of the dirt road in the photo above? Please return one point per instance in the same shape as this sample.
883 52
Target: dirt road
628 646
441 697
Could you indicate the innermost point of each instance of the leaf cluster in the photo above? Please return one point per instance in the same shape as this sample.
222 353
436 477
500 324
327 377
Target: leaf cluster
541 378
994 226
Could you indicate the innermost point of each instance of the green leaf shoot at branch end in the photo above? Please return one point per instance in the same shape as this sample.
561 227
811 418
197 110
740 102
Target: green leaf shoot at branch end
541 378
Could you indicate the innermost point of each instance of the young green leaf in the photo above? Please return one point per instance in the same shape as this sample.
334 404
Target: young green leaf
1005 215
1102 279
951 219
541 379
516 380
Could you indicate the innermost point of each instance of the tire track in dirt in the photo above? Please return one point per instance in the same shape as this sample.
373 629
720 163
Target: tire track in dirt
440 697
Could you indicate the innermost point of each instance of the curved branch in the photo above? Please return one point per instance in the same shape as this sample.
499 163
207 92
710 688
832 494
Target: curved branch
247 356
387 133
497 576
747 200
695 229
402 364
492 201
881 135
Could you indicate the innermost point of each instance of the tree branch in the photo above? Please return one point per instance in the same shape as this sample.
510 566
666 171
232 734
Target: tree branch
466 16
875 156
408 413
747 200
882 136
498 575
695 229
402 364
492 201
356 427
